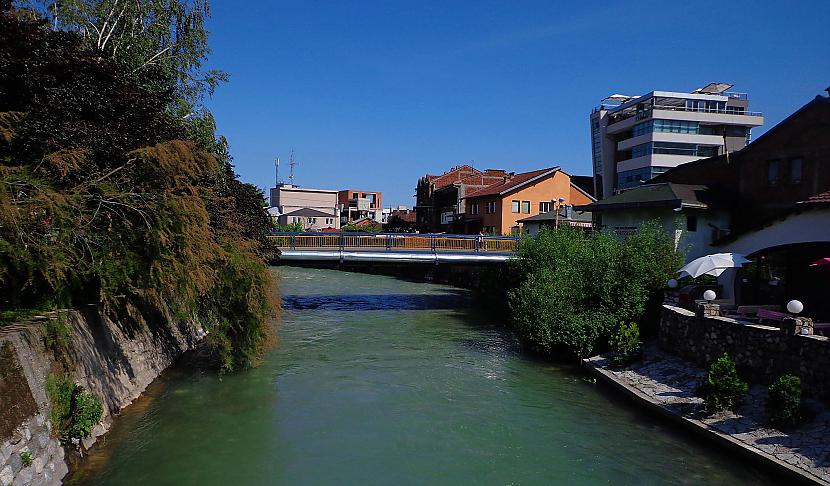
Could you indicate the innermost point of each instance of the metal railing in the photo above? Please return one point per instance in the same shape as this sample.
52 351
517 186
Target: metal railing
648 113
395 241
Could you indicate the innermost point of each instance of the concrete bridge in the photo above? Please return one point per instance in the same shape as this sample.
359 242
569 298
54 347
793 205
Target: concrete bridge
394 248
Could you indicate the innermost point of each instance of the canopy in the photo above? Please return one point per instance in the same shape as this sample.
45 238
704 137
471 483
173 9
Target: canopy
714 264
821 262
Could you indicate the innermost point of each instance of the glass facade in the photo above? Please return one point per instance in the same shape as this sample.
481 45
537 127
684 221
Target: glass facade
633 178
673 148
683 126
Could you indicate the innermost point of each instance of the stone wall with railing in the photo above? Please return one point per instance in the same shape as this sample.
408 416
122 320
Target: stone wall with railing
762 353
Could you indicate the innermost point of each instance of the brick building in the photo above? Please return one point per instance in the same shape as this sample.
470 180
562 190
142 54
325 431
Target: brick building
496 208
440 203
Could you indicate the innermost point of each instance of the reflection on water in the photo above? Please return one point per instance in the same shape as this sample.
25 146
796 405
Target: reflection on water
382 381
357 303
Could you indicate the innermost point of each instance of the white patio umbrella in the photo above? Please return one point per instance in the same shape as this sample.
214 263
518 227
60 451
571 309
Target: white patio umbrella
714 264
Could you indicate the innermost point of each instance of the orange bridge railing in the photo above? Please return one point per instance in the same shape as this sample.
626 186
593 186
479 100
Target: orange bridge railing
395 241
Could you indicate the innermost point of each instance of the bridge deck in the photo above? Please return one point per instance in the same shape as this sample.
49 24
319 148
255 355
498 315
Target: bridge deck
395 248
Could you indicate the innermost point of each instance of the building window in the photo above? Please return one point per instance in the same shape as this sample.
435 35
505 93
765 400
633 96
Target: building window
312 220
491 207
795 170
544 206
525 207
474 208
773 172
514 206
691 223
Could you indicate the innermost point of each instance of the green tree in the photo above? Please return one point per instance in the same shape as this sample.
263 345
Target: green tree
166 36
573 289
103 194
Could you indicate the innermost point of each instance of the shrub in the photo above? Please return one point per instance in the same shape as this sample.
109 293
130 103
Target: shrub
59 389
723 388
26 457
87 413
784 401
74 411
57 333
626 343
573 288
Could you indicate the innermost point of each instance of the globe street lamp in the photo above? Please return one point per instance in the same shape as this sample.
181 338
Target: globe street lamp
795 307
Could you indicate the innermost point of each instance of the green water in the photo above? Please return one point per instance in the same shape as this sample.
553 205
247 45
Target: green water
383 381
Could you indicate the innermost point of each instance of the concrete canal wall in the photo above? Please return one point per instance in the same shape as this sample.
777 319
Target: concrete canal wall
112 358
762 353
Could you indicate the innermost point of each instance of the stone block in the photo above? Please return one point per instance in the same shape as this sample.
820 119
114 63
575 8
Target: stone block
6 475
707 310
24 477
38 464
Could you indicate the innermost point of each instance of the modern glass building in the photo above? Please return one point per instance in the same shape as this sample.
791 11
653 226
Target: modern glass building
634 138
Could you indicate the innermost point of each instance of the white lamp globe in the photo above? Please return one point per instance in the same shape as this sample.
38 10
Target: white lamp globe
709 295
672 283
795 306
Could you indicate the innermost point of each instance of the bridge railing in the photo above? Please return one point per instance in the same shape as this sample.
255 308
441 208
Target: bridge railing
395 241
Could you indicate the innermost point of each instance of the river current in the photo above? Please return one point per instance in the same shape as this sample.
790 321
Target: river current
377 380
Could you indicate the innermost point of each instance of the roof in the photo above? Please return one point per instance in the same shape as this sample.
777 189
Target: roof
551 216
665 194
309 213
817 200
512 183
815 102
289 187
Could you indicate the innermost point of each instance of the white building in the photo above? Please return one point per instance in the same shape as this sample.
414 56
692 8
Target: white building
634 138
689 212
288 198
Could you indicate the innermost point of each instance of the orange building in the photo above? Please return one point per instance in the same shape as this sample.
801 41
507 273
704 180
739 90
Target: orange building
497 208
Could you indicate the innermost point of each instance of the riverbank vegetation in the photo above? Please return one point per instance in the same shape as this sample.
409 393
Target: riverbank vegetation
114 188
568 292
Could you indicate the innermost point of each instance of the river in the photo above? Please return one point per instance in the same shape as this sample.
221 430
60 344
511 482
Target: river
377 380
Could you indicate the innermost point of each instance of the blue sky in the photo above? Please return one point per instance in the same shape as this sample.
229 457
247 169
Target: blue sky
373 94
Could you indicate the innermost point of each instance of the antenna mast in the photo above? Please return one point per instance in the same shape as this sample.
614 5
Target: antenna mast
291 163
277 171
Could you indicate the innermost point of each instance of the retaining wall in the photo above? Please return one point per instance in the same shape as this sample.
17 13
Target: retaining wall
762 353
112 357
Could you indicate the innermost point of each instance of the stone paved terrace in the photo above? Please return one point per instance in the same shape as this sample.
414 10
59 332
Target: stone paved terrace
669 382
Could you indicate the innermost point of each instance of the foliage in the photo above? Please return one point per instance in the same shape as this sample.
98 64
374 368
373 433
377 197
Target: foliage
102 194
625 343
87 412
74 410
784 401
572 288
60 390
723 388
26 458
295 227
166 37
368 228
397 224
57 333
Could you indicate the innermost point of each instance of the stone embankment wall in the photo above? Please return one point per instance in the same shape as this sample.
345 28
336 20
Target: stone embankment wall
762 353
114 358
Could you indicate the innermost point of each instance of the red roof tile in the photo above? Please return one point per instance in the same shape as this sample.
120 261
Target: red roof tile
821 198
510 182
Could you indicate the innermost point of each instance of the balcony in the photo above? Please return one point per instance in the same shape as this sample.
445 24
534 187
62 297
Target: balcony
646 114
